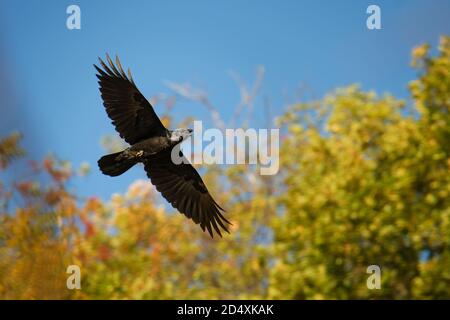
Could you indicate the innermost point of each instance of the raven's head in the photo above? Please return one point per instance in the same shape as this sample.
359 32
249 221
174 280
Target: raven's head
179 135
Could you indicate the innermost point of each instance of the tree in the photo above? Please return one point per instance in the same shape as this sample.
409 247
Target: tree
368 184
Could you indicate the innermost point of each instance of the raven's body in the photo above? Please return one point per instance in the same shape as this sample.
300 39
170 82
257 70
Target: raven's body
143 151
152 144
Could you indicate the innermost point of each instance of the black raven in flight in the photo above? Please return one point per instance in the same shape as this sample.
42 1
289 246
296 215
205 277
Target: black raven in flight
151 144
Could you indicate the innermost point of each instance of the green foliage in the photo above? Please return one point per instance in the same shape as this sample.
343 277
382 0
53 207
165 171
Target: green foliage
366 185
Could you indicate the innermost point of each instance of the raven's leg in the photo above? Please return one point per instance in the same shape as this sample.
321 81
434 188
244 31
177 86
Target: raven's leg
129 154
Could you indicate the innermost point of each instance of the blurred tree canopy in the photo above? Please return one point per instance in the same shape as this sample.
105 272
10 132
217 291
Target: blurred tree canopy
364 180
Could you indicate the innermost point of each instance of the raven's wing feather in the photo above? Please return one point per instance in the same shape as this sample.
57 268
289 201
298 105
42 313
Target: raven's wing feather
183 188
132 115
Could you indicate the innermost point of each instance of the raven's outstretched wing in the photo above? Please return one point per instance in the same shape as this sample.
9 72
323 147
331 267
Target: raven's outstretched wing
183 187
131 114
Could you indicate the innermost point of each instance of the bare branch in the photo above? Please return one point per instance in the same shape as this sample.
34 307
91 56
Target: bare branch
200 96
247 95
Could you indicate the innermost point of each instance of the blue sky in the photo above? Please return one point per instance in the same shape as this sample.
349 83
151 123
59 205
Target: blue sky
49 90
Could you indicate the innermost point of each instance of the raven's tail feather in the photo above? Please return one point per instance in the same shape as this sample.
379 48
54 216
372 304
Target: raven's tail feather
115 164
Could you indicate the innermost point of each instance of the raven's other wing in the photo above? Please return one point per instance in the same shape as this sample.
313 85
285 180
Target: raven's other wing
131 114
184 189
